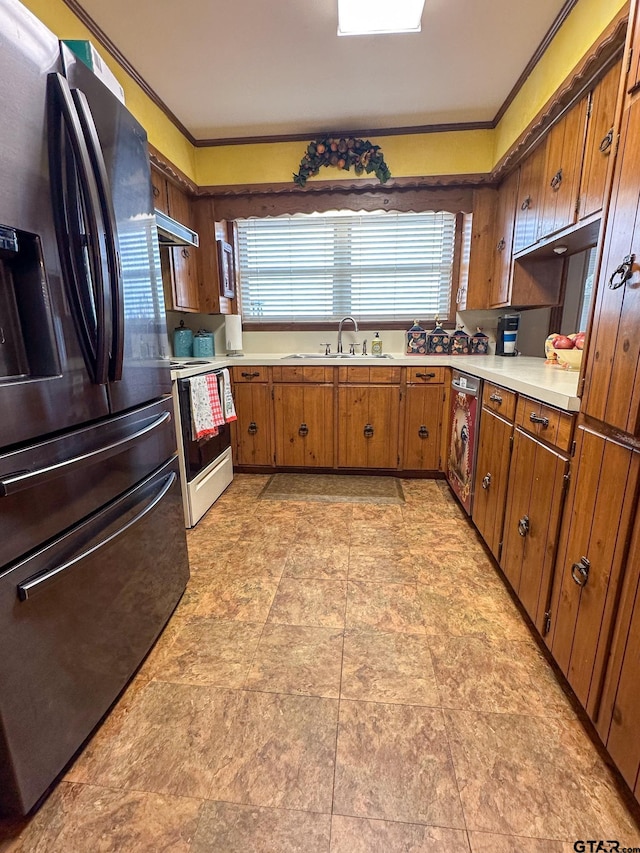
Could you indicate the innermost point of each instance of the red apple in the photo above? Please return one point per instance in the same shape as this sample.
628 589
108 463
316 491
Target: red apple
579 340
563 342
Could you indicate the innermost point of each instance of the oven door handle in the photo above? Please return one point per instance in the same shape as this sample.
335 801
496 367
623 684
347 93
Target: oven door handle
20 480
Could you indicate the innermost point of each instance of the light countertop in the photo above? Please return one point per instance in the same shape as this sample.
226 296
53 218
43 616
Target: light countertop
526 375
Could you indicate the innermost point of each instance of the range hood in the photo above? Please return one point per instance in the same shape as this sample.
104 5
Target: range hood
172 233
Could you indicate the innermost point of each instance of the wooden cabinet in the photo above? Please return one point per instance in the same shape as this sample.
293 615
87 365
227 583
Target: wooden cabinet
368 425
492 476
591 556
303 419
474 291
537 480
599 143
612 372
503 248
530 196
563 169
210 232
423 418
252 435
159 191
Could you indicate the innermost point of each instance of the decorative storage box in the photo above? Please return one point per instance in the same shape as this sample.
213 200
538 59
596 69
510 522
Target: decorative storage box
438 340
459 342
479 343
416 340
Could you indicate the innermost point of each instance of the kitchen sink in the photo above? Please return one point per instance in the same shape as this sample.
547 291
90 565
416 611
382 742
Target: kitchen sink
333 355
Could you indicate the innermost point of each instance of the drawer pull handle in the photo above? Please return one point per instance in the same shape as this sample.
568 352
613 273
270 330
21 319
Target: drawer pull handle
423 432
580 571
486 481
523 525
252 428
605 145
496 398
526 204
425 376
536 419
623 273
253 375
501 245
556 180
368 431
304 430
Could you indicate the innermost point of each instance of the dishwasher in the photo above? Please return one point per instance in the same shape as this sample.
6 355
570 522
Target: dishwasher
465 414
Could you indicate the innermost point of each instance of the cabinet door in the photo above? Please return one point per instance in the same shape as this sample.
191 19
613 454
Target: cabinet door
492 478
599 144
475 293
253 427
530 195
507 196
534 505
159 190
185 272
612 391
303 416
368 418
590 559
562 172
422 426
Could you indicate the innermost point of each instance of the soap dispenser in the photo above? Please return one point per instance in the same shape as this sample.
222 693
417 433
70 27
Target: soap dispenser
376 344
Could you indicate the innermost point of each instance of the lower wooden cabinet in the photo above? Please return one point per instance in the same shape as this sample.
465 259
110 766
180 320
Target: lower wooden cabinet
492 478
368 426
253 438
422 427
537 480
303 419
591 555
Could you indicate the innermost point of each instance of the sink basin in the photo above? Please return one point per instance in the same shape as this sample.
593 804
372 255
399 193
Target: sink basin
333 355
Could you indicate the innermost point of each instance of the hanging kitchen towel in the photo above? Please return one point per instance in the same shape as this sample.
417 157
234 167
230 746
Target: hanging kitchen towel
206 411
227 396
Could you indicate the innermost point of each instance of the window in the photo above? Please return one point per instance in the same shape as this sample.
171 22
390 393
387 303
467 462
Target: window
320 267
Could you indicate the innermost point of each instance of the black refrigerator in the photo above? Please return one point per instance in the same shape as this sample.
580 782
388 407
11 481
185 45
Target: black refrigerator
93 553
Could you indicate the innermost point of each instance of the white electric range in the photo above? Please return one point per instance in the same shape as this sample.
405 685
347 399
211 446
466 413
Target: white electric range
206 467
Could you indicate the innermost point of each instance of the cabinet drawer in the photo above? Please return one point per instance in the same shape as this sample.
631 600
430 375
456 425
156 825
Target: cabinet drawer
551 425
425 375
499 400
372 375
303 374
250 374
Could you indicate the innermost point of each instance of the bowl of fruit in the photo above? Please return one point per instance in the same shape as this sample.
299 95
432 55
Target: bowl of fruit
568 349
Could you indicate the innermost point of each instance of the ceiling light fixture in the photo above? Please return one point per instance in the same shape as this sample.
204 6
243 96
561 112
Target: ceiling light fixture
373 17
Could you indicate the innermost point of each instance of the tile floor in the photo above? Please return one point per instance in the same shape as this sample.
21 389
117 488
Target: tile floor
350 678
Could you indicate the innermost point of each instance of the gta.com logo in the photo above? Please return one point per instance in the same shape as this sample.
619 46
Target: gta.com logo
602 847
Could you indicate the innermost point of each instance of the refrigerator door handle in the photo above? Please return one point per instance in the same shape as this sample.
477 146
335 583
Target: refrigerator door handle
20 480
32 586
115 271
66 167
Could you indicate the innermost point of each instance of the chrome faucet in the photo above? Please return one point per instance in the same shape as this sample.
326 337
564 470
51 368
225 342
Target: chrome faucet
355 328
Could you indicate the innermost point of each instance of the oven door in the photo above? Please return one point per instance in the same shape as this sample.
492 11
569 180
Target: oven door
198 455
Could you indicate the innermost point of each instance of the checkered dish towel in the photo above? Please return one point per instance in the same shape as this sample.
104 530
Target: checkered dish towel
206 411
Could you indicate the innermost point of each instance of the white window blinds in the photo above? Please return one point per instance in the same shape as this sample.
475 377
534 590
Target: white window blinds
392 266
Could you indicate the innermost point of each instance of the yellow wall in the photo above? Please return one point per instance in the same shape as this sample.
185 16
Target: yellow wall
461 152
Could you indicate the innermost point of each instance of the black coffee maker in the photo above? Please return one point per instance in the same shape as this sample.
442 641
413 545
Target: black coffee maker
507 334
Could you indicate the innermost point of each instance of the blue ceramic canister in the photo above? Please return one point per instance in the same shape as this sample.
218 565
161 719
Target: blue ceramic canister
203 346
182 341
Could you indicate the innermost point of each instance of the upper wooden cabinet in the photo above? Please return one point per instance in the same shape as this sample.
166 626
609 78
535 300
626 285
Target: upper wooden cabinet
600 142
503 240
210 232
474 292
529 201
562 171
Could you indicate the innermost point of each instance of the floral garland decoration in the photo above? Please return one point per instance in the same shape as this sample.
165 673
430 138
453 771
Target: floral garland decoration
343 153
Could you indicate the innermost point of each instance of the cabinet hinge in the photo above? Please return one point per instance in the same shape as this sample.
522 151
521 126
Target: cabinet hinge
547 623
398 463
629 59
439 463
511 440
565 481
578 204
272 394
572 452
499 551
590 105
401 395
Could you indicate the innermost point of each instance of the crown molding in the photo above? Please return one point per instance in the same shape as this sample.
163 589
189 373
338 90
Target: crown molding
175 175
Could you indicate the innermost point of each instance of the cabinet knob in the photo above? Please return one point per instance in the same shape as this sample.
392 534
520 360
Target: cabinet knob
536 419
252 429
501 245
423 432
580 571
185 253
556 180
526 203
496 398
486 481
303 430
623 273
523 525
607 142
368 431
156 192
